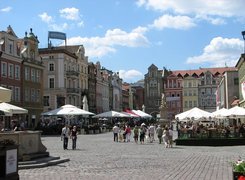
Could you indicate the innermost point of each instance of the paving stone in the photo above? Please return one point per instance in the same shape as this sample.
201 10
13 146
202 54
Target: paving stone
98 157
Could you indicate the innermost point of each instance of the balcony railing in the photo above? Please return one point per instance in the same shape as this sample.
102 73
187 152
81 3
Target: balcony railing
72 90
72 73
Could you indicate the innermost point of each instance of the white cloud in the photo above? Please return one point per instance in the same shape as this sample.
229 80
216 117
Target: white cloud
101 46
58 27
141 2
207 7
212 20
7 9
45 17
219 52
80 24
176 22
70 14
130 75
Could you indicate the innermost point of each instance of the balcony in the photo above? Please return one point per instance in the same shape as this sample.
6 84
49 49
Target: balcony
72 73
72 90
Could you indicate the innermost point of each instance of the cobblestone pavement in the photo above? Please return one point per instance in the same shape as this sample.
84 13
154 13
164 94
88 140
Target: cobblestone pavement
98 157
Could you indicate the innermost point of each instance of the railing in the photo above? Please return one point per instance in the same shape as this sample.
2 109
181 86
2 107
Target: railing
72 73
72 90
210 133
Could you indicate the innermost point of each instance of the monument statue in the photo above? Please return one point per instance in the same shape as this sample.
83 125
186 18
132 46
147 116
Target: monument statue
163 109
143 108
163 101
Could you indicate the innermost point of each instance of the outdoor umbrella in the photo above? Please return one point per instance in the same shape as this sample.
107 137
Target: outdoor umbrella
109 114
194 113
219 114
142 114
10 109
67 111
5 94
131 112
235 112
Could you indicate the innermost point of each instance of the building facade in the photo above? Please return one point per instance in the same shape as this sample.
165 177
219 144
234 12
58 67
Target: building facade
173 93
225 95
92 72
153 90
241 75
66 76
21 71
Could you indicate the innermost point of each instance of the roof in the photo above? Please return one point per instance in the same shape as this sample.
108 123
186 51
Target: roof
200 71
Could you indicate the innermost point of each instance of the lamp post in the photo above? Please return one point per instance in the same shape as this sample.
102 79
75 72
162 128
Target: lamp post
243 35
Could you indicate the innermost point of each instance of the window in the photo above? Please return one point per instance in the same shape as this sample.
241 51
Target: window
4 69
185 93
194 92
189 84
32 54
33 75
27 94
195 103
27 73
45 100
208 79
51 67
37 95
11 71
236 81
190 104
186 104
17 94
208 91
11 46
17 72
32 95
38 76
51 82
190 93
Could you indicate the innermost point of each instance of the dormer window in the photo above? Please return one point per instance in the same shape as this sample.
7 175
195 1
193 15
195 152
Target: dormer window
11 45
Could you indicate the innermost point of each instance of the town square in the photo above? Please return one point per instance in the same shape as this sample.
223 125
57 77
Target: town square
144 89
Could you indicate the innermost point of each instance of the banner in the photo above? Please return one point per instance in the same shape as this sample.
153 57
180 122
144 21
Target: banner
56 35
243 89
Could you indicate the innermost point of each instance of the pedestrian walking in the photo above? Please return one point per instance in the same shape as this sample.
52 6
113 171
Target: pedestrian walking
65 133
74 137
159 132
151 133
128 133
115 130
136 133
142 132
166 137
170 140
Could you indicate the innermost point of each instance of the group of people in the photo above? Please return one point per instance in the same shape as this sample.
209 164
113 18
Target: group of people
195 130
143 133
67 133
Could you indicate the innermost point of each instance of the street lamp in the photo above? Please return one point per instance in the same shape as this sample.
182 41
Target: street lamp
243 35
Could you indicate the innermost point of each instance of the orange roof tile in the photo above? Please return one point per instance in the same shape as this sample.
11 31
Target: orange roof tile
199 71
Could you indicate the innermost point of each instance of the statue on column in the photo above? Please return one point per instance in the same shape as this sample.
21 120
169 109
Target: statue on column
163 108
143 108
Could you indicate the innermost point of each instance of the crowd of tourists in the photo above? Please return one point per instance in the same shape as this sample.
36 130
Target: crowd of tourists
211 130
143 134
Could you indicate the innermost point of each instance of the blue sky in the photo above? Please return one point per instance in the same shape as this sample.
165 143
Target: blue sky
127 36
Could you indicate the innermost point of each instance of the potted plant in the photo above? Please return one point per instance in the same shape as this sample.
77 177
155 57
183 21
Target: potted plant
239 170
